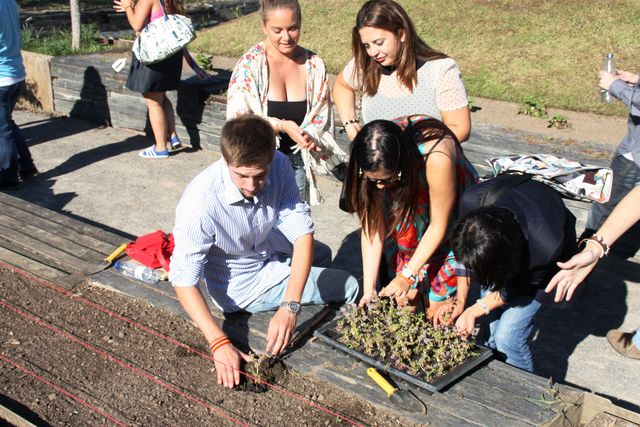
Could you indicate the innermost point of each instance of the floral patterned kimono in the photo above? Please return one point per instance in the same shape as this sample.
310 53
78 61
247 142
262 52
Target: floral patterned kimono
248 90
437 277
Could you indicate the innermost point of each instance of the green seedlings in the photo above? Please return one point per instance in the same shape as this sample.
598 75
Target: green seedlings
403 340
204 61
533 107
559 121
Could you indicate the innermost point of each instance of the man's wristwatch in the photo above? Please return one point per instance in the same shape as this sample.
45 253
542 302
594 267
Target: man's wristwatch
408 274
292 307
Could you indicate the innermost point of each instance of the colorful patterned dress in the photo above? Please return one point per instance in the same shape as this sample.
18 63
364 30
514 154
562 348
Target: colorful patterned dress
437 277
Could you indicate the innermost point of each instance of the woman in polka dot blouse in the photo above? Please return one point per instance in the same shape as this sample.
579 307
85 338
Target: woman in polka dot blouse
398 74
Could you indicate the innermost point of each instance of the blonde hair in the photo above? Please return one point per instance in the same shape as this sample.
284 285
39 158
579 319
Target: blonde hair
267 6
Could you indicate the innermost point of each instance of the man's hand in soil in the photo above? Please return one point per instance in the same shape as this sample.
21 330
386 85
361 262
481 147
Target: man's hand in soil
280 330
227 360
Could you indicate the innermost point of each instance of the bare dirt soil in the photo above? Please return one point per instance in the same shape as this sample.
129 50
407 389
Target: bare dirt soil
74 359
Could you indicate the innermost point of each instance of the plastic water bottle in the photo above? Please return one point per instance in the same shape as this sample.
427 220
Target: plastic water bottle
137 271
609 66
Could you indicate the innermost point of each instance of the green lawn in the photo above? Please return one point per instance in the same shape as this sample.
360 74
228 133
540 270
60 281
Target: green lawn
507 49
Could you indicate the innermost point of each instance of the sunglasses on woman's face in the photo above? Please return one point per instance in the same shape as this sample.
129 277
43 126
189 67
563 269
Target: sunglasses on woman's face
382 182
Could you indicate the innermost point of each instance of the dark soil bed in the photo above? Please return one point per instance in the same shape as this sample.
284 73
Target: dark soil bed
126 375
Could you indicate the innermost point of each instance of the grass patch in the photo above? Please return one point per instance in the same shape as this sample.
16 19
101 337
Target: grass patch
507 49
58 41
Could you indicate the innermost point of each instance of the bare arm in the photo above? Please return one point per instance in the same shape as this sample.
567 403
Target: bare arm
226 358
283 323
574 271
136 15
344 98
371 245
459 121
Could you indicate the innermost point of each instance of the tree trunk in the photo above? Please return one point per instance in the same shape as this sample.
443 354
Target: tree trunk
75 24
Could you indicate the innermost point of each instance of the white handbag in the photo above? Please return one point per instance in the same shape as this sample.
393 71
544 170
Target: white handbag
163 37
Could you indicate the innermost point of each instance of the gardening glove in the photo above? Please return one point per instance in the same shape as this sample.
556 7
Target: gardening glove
227 361
280 330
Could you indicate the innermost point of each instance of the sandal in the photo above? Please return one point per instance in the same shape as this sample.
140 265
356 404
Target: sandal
151 153
175 142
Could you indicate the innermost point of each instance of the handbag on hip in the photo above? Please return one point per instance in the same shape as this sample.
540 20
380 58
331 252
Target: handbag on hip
163 37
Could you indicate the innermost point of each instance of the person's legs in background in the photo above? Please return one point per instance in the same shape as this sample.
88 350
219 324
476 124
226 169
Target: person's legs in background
158 120
8 148
170 116
324 285
25 161
301 178
509 329
625 343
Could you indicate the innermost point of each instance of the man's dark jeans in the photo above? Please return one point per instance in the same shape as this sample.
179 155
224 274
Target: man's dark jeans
14 151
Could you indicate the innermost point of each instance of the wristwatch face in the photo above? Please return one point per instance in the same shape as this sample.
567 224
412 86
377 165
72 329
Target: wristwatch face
291 306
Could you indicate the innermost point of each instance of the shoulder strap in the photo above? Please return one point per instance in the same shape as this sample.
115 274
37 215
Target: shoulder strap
491 196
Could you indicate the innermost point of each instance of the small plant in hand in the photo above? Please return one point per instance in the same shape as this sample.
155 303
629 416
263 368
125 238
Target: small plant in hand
404 340
533 107
559 121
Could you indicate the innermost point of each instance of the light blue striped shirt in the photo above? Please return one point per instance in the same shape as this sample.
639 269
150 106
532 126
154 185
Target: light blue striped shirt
231 241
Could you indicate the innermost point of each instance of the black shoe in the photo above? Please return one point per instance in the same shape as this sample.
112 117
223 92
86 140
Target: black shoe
26 174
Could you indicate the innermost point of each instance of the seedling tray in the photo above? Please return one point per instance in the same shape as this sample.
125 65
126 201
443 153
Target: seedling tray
330 335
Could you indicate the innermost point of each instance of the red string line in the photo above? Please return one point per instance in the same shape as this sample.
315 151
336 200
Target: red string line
61 390
118 361
142 327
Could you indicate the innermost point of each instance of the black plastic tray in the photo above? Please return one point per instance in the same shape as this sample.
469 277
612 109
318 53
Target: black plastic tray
329 334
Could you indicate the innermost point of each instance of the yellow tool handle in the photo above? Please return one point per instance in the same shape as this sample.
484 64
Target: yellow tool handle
115 254
379 379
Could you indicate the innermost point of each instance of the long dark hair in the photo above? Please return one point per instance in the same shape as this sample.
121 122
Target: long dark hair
382 145
490 243
390 16
173 7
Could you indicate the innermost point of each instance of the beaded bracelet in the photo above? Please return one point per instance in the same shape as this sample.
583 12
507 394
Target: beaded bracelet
598 241
220 342
350 122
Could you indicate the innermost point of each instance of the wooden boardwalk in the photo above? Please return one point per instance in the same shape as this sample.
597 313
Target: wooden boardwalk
54 247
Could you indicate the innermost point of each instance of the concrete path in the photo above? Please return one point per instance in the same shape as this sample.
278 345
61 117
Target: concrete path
94 174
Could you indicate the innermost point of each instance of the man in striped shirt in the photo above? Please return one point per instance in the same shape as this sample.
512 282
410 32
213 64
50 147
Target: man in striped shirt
232 223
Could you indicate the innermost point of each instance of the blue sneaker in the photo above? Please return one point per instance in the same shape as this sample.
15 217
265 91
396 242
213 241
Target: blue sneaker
175 142
151 153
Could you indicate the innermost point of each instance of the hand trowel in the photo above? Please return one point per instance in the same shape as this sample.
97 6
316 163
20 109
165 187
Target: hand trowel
403 399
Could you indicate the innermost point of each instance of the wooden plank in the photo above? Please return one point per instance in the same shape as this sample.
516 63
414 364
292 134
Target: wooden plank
44 250
31 266
29 254
509 403
97 245
48 238
72 223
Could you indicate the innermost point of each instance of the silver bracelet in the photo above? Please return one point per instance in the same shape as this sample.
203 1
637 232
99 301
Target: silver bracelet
483 305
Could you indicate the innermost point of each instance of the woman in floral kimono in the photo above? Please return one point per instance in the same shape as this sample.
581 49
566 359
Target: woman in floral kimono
404 180
287 84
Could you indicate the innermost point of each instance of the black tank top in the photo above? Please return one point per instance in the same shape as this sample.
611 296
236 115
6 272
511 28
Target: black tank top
287 110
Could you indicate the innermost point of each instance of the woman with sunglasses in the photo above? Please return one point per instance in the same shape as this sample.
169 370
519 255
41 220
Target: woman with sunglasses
404 181
398 74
